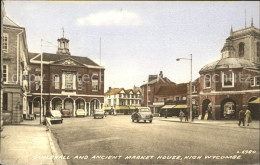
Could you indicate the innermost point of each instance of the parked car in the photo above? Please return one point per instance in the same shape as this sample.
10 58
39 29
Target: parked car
98 113
65 113
80 112
142 113
55 116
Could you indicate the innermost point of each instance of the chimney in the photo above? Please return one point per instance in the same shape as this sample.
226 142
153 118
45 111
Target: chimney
161 74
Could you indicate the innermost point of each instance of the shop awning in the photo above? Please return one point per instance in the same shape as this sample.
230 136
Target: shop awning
107 108
168 106
132 107
256 101
181 106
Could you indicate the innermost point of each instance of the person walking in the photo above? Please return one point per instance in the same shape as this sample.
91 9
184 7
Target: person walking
186 115
241 116
181 115
248 116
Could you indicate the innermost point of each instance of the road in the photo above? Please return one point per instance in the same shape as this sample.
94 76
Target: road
116 140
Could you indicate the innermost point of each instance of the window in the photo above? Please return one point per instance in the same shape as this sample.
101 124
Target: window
258 49
194 88
165 99
252 82
5 101
149 88
207 81
5 42
241 49
68 81
94 85
177 98
57 82
228 80
37 81
5 73
257 81
79 83
157 99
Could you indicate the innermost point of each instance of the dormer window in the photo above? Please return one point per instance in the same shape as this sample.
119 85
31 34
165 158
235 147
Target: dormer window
241 49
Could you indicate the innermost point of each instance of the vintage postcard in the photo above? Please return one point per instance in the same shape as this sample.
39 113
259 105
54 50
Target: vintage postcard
130 82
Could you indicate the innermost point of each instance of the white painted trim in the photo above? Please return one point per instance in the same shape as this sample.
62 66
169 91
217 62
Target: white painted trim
223 80
205 81
5 82
59 94
255 81
6 35
231 92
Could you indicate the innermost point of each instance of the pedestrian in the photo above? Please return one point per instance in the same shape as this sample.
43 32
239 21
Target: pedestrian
193 115
248 116
186 115
181 115
241 117
166 113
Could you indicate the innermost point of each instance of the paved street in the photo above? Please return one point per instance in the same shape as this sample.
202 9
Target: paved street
116 140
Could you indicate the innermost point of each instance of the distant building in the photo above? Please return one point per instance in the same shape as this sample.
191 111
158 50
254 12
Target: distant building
15 68
229 84
173 93
121 101
69 82
149 89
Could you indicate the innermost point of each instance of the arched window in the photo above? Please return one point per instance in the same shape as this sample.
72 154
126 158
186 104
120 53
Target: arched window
207 81
241 49
258 49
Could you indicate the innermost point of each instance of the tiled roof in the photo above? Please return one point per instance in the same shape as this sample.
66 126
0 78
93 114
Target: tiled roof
170 90
114 91
128 91
136 90
55 57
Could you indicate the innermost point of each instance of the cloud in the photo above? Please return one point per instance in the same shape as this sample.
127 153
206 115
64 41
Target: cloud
110 18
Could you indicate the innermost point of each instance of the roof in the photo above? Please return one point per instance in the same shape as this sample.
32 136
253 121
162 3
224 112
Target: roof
114 91
228 63
56 57
8 21
169 90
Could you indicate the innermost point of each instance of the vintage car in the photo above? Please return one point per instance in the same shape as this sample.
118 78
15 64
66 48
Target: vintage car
80 112
98 113
54 116
142 113
65 113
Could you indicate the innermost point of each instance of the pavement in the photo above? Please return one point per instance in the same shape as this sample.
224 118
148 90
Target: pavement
28 144
223 123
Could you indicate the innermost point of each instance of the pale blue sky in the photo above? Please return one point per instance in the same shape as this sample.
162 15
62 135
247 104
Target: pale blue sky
138 38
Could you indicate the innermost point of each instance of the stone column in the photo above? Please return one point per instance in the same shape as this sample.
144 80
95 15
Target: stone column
89 109
62 104
50 105
85 108
74 108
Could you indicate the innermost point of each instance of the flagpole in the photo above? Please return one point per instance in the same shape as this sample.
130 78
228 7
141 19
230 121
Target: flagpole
41 87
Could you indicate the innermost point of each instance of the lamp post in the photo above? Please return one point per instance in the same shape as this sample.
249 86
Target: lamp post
146 93
178 59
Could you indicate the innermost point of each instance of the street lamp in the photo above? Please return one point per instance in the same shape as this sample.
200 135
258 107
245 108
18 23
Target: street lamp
178 59
146 93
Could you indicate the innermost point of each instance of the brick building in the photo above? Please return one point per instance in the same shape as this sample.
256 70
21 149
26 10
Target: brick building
69 82
151 87
14 72
229 84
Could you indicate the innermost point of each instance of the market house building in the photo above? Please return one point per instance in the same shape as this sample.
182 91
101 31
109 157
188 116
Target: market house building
121 101
229 84
69 82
